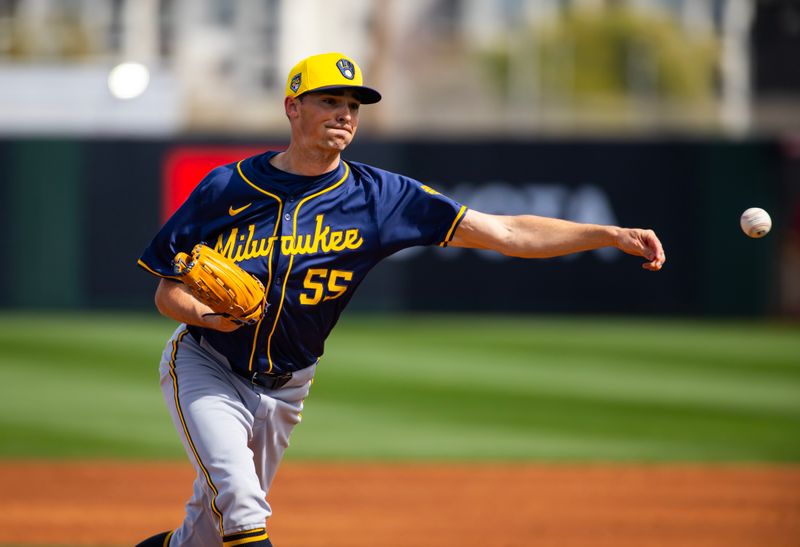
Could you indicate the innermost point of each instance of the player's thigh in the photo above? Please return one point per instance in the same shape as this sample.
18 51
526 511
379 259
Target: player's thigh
205 404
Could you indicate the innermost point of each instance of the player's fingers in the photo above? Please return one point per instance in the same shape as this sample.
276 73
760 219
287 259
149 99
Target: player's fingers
652 250
653 266
661 258
646 244
655 251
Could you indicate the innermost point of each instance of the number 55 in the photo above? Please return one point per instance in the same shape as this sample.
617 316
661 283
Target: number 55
315 282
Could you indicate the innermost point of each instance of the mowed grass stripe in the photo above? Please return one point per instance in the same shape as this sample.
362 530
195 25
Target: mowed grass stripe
74 412
553 362
445 387
83 385
694 433
602 377
411 436
680 345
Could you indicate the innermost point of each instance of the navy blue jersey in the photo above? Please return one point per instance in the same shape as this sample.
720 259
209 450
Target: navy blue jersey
310 240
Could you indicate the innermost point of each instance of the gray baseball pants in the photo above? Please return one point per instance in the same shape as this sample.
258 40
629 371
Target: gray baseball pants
234 432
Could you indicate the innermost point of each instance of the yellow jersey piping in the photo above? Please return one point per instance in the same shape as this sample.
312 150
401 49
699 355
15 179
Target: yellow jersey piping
291 257
152 271
455 224
269 258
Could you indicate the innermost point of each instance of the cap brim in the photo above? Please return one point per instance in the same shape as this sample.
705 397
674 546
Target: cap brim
366 95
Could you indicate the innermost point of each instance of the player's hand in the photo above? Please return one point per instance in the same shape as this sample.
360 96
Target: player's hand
220 323
645 243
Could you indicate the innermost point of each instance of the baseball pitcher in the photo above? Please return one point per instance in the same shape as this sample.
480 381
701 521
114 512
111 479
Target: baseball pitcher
260 261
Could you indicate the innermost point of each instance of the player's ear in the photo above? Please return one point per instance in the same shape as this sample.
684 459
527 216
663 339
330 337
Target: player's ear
292 107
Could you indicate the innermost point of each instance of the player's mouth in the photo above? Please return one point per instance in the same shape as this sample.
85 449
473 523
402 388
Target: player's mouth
346 129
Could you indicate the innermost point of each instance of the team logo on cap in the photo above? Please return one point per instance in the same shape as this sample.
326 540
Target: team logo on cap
347 68
295 83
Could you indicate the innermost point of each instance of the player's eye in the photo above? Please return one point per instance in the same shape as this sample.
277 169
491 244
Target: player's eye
354 106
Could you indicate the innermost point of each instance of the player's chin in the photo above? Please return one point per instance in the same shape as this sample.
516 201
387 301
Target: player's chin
339 142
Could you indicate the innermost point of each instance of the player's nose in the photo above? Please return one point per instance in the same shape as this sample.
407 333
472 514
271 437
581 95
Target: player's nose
345 114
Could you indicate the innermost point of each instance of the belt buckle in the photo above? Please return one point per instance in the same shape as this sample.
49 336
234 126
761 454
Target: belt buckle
271 381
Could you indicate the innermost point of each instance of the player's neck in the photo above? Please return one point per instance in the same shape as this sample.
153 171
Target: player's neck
306 163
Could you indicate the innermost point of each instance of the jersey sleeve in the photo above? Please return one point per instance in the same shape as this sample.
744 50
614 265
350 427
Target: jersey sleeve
184 229
412 213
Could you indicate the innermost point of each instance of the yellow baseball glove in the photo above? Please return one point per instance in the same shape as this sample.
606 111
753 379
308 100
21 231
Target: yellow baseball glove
222 285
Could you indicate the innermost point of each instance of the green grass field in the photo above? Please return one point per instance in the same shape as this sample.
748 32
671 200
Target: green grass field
433 387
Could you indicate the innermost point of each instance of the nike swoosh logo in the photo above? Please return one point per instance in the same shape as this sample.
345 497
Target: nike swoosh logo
233 212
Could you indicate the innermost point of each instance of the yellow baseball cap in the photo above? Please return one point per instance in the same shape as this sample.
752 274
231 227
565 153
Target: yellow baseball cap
328 71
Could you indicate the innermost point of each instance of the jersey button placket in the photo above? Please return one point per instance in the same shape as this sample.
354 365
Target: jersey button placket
287 229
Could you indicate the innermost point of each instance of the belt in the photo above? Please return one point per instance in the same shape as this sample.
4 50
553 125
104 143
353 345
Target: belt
263 379
270 381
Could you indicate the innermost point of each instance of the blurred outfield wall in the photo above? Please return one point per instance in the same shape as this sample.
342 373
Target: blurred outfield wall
77 213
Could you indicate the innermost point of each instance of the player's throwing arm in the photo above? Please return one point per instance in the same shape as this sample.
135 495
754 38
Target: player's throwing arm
529 236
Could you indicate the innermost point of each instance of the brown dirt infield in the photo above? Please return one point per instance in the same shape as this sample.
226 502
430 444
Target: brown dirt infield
384 505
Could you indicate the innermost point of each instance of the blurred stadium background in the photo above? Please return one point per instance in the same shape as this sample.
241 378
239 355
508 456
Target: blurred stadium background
671 114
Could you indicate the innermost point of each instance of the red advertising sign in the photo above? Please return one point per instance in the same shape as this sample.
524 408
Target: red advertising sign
185 166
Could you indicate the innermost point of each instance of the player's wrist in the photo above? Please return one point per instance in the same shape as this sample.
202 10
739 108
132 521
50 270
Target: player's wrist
605 236
215 321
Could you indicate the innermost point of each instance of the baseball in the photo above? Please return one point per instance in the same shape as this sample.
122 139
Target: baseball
755 222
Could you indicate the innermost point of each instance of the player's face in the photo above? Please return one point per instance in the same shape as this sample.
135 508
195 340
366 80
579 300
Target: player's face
328 120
